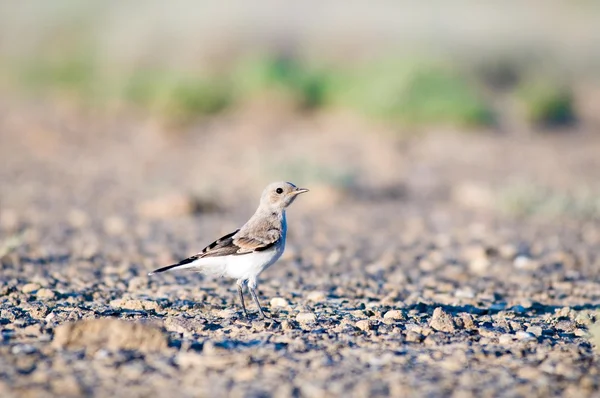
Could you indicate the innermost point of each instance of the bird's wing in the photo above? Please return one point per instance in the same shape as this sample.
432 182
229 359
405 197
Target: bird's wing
247 244
229 245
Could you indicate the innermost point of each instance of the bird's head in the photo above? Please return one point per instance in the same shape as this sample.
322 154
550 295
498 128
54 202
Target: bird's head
279 195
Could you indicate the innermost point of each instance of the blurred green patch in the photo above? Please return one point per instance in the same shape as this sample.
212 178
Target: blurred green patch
180 99
404 92
77 75
411 93
255 75
546 102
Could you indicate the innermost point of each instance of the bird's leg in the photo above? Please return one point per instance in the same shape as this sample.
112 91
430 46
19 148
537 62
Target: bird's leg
255 297
240 286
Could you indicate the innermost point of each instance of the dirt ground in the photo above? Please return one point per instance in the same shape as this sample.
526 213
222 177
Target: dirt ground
418 265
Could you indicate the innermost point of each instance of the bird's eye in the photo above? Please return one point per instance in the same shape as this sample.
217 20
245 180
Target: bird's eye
279 190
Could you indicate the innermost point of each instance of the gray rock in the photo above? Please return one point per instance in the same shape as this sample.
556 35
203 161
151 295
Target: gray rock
45 294
306 317
442 321
365 325
395 315
535 330
30 288
109 334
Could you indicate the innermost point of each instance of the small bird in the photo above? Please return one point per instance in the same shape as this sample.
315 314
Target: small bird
249 250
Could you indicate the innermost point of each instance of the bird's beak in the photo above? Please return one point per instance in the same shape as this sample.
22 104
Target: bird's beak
298 191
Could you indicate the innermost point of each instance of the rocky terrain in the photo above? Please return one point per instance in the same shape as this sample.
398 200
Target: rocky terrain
449 264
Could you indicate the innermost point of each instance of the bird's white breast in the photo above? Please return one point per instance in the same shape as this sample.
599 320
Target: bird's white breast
249 266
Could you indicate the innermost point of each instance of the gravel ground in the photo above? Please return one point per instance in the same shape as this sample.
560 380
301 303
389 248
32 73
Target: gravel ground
408 281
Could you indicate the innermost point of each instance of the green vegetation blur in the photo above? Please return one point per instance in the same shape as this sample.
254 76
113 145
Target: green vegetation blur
434 77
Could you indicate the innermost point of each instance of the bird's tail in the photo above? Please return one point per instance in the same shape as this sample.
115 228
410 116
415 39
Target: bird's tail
182 264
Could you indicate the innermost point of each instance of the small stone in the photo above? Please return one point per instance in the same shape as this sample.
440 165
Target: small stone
467 320
136 305
525 263
563 312
30 288
38 311
515 326
583 318
45 294
466 293
566 326
524 336
487 332
109 334
479 265
394 315
535 330
278 302
226 313
306 317
414 337
316 296
364 325
442 321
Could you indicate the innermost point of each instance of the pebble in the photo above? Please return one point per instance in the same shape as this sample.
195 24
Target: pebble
134 304
467 320
442 321
365 325
45 294
30 288
535 330
306 317
521 335
466 293
316 297
109 334
394 315
278 302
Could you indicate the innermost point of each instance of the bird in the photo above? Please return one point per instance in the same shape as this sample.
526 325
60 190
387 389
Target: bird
246 252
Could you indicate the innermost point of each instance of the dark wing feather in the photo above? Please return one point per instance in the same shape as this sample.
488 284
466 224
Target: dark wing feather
221 247
248 245
226 246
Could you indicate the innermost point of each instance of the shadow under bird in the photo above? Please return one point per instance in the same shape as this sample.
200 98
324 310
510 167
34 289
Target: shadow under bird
248 251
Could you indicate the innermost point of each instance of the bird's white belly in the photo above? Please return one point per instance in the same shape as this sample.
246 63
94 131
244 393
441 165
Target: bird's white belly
251 265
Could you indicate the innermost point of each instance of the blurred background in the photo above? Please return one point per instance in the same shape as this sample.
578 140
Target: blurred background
451 149
489 105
